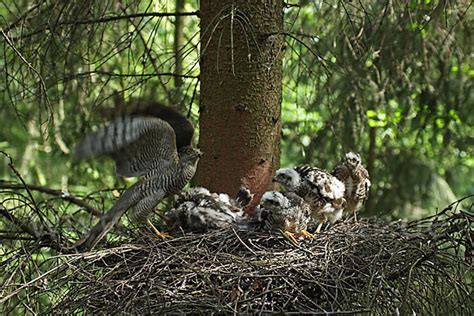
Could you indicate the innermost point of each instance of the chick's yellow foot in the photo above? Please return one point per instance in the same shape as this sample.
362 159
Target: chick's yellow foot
305 234
156 231
290 235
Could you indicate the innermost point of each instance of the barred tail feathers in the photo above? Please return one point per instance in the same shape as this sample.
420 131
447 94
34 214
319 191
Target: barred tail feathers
107 221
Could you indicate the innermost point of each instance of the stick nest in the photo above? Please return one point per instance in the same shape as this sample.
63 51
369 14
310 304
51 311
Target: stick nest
371 266
352 267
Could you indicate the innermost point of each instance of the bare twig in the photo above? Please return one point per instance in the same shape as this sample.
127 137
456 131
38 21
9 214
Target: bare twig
366 267
113 74
61 194
107 19
25 228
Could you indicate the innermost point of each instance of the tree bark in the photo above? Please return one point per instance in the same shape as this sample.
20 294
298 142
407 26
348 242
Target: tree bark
240 106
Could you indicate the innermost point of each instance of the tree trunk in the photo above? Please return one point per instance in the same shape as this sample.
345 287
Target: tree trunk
241 78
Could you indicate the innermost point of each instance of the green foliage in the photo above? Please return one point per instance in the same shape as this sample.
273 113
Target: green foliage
68 79
393 82
390 80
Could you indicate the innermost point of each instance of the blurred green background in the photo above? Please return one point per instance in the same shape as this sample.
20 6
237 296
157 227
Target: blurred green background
392 80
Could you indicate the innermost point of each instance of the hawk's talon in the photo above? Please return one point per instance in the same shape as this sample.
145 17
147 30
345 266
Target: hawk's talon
305 234
156 231
291 236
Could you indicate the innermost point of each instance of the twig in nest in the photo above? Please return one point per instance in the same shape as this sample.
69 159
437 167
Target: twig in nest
371 266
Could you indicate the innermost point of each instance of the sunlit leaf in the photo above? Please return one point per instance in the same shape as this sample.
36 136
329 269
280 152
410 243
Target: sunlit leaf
371 113
440 123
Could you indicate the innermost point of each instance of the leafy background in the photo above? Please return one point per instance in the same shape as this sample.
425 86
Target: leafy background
390 79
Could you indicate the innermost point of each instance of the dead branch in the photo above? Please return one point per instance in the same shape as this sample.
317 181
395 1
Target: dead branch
61 194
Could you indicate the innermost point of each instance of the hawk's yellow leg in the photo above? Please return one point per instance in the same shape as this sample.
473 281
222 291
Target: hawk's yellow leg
156 231
291 236
305 234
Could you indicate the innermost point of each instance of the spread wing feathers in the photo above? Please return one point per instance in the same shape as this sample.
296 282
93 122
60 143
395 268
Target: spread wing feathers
363 187
321 182
342 172
324 193
183 128
137 144
286 211
357 184
199 210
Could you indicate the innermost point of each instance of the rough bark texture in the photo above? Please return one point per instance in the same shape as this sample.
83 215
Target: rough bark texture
241 75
